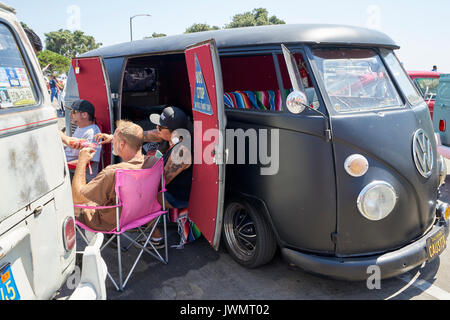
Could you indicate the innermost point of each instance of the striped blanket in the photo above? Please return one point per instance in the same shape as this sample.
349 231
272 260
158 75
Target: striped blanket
258 100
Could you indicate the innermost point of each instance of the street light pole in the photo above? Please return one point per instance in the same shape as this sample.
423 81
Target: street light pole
131 23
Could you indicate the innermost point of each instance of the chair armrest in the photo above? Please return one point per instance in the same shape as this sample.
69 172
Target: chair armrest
96 207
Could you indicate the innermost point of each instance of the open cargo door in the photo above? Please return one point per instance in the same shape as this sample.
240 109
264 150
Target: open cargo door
208 183
93 85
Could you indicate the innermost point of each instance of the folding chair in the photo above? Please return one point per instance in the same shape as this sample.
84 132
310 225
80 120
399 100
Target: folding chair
136 196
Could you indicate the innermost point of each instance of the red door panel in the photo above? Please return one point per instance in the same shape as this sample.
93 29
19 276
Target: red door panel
206 200
93 86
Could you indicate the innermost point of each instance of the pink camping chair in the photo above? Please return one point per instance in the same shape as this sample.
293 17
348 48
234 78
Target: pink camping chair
136 196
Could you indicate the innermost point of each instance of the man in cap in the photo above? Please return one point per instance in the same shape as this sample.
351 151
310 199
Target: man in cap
171 126
83 116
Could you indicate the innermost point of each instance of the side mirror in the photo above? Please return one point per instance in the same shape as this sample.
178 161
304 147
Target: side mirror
297 102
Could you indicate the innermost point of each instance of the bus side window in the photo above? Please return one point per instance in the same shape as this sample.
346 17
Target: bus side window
250 83
16 87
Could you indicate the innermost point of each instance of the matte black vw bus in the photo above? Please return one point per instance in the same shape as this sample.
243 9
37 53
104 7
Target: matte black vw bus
310 138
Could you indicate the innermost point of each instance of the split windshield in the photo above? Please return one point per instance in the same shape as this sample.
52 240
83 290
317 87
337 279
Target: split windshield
355 79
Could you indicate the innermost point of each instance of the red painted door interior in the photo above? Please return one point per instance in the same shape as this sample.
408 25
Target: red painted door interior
93 86
206 200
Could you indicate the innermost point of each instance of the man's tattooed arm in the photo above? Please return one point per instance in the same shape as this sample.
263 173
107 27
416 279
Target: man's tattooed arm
175 166
152 136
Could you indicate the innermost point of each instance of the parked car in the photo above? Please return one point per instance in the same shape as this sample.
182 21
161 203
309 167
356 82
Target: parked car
37 225
441 118
353 174
427 83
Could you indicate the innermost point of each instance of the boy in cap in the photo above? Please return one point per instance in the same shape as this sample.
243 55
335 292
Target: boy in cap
83 115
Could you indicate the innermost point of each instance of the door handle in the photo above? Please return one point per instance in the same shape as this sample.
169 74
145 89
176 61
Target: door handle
38 211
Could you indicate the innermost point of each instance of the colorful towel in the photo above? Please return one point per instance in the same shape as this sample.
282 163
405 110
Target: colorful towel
187 230
229 100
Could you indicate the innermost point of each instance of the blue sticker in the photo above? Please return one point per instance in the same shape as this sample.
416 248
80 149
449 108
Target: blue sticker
201 99
4 79
13 78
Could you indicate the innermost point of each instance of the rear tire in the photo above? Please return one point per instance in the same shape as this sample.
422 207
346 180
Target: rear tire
248 237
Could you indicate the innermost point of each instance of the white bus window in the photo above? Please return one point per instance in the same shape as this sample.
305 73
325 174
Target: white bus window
16 88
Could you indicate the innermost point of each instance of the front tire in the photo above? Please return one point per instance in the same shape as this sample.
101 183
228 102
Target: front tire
248 237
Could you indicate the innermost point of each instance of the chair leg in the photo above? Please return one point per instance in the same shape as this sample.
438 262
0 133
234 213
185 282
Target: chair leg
104 246
142 234
165 237
119 255
81 234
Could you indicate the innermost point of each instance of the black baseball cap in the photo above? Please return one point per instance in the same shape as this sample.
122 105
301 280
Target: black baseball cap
172 117
83 106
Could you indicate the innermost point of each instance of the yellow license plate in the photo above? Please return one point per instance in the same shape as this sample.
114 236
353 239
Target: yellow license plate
436 245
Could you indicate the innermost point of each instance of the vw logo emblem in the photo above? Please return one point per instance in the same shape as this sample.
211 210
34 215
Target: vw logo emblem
423 153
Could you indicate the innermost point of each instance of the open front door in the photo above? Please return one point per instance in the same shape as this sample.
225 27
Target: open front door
93 85
207 193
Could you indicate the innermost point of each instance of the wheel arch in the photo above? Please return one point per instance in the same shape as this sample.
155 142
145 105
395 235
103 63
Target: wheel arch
261 206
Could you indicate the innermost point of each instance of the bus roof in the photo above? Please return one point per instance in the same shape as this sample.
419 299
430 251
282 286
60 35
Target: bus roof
252 36
7 8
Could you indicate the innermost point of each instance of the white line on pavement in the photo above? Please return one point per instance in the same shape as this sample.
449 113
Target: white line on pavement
424 286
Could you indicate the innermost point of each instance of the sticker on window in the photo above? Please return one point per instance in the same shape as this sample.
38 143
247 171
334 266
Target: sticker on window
5 100
21 96
23 77
13 78
16 85
4 79
201 99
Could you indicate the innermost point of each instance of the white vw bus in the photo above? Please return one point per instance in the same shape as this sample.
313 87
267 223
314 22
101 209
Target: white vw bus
37 229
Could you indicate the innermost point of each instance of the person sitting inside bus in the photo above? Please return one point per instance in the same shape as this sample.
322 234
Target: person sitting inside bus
127 144
177 159
83 115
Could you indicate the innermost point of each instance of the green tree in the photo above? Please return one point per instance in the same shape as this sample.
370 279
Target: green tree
156 35
199 27
24 25
258 17
70 44
58 63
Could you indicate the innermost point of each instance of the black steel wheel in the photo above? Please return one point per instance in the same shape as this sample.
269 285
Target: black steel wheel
247 236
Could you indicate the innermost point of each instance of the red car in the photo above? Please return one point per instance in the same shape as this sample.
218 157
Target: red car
427 82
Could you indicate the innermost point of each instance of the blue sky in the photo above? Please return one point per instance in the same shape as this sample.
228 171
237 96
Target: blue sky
421 28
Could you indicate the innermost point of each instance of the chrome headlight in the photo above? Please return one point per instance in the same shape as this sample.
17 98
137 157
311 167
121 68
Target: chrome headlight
442 170
377 200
